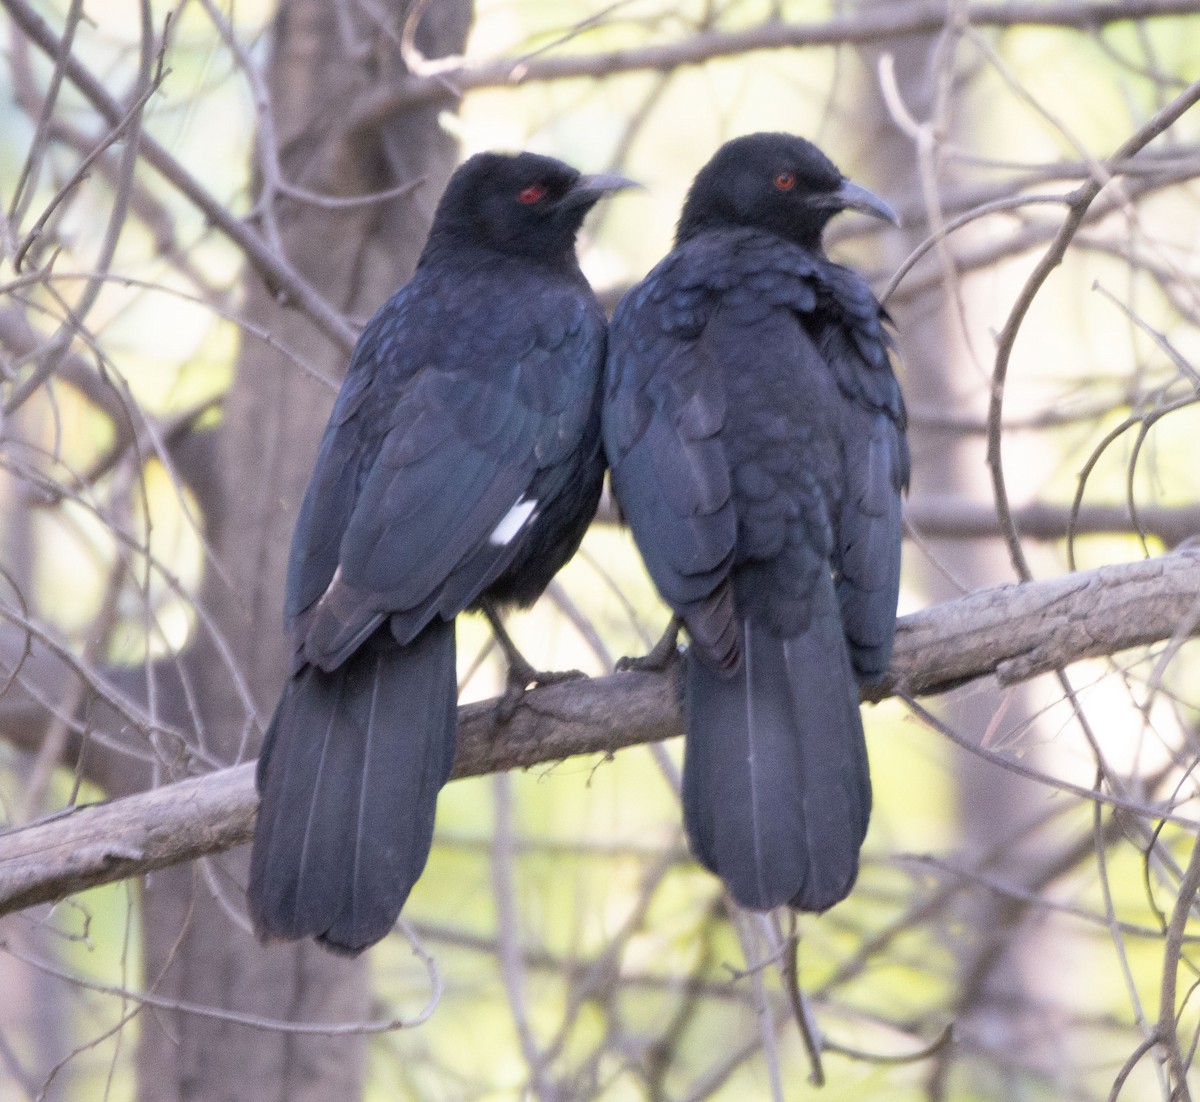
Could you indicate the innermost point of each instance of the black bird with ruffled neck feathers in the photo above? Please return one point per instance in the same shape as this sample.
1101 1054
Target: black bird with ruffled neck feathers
756 435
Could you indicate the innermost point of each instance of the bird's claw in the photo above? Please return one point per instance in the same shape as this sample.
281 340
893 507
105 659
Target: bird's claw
652 662
663 654
521 680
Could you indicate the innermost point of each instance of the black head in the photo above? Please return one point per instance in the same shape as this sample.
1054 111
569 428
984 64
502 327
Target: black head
520 204
774 182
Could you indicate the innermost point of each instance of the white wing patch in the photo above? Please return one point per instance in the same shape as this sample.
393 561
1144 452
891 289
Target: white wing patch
512 522
334 582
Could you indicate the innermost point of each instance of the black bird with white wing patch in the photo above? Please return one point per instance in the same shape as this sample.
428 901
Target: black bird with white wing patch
756 435
461 467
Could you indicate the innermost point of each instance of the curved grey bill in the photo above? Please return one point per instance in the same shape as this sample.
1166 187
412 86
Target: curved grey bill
603 182
852 196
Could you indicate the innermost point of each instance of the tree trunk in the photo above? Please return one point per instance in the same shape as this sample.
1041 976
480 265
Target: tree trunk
324 56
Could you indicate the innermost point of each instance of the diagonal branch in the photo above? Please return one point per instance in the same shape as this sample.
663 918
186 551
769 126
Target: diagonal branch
274 269
1012 632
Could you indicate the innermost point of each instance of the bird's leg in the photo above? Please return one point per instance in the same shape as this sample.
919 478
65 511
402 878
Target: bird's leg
661 655
521 674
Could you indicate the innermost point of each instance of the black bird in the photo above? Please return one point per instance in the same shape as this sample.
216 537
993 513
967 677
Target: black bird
460 468
756 436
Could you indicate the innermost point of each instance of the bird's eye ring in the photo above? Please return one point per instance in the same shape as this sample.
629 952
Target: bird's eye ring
785 181
534 193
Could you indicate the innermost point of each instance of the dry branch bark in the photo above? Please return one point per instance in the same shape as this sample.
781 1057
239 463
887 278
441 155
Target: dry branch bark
1019 631
1013 632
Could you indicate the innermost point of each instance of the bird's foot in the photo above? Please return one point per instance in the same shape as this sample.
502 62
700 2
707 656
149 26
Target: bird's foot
660 656
521 675
521 678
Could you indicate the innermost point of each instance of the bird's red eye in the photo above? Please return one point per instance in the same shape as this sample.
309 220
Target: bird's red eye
785 181
534 193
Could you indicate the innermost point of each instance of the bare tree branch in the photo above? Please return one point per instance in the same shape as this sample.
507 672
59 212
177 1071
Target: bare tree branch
1013 632
888 22
346 113
1081 199
955 516
274 269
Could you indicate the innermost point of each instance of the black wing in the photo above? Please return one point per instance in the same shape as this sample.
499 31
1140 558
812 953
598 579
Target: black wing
875 466
433 468
664 411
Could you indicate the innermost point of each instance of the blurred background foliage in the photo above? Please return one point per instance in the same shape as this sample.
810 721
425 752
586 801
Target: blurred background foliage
567 891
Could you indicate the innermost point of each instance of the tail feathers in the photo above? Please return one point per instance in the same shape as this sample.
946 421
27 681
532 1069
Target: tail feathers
349 777
776 789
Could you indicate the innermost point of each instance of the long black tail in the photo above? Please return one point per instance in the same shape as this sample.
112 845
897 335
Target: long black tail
348 777
776 789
